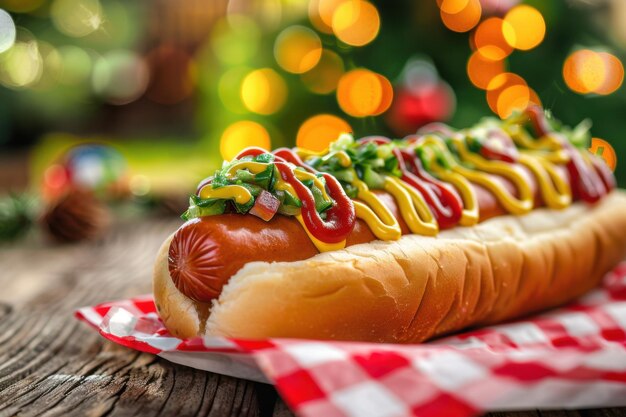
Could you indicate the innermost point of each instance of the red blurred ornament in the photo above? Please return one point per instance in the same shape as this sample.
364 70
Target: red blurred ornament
420 97
416 107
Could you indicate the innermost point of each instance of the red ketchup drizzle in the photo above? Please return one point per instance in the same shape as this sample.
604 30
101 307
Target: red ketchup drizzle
340 218
444 203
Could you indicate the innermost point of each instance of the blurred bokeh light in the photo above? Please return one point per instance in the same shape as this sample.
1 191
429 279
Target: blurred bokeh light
120 77
489 39
7 31
524 27
263 91
364 93
22 65
463 19
482 70
324 77
297 49
356 22
242 134
76 18
586 71
317 132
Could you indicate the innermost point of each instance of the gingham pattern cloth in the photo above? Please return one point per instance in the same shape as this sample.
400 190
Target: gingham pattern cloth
573 357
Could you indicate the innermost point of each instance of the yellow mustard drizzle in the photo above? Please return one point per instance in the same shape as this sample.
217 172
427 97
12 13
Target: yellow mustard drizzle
540 157
383 224
413 208
253 167
236 192
381 230
342 157
558 157
514 205
304 175
470 213
508 201
525 140
547 147
307 153
555 190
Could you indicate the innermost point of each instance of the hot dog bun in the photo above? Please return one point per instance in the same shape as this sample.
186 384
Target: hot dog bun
415 288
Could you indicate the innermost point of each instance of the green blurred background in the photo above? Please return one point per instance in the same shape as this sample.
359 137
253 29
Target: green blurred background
175 86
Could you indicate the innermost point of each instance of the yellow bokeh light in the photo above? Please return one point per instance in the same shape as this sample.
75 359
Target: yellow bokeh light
363 93
515 97
614 74
325 10
489 39
525 27
481 70
22 65
241 135
324 77
297 49
76 18
317 132
316 18
501 83
263 91
584 71
356 22
465 19
452 6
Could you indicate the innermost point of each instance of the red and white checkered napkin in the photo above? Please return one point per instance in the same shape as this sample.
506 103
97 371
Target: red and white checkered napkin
574 357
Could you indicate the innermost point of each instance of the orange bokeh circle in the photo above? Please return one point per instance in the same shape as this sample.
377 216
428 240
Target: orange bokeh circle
317 132
489 39
499 84
481 70
465 19
362 92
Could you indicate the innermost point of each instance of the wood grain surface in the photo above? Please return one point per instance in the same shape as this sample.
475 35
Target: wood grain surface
53 365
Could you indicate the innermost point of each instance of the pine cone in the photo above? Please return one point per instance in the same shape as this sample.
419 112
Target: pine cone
77 215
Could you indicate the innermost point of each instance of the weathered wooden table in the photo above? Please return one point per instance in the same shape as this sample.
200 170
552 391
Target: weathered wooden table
53 365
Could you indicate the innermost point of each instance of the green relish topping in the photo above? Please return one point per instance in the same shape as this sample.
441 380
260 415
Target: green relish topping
370 162
265 180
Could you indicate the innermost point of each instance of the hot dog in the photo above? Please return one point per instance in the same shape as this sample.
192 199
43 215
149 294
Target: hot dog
207 270
206 252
